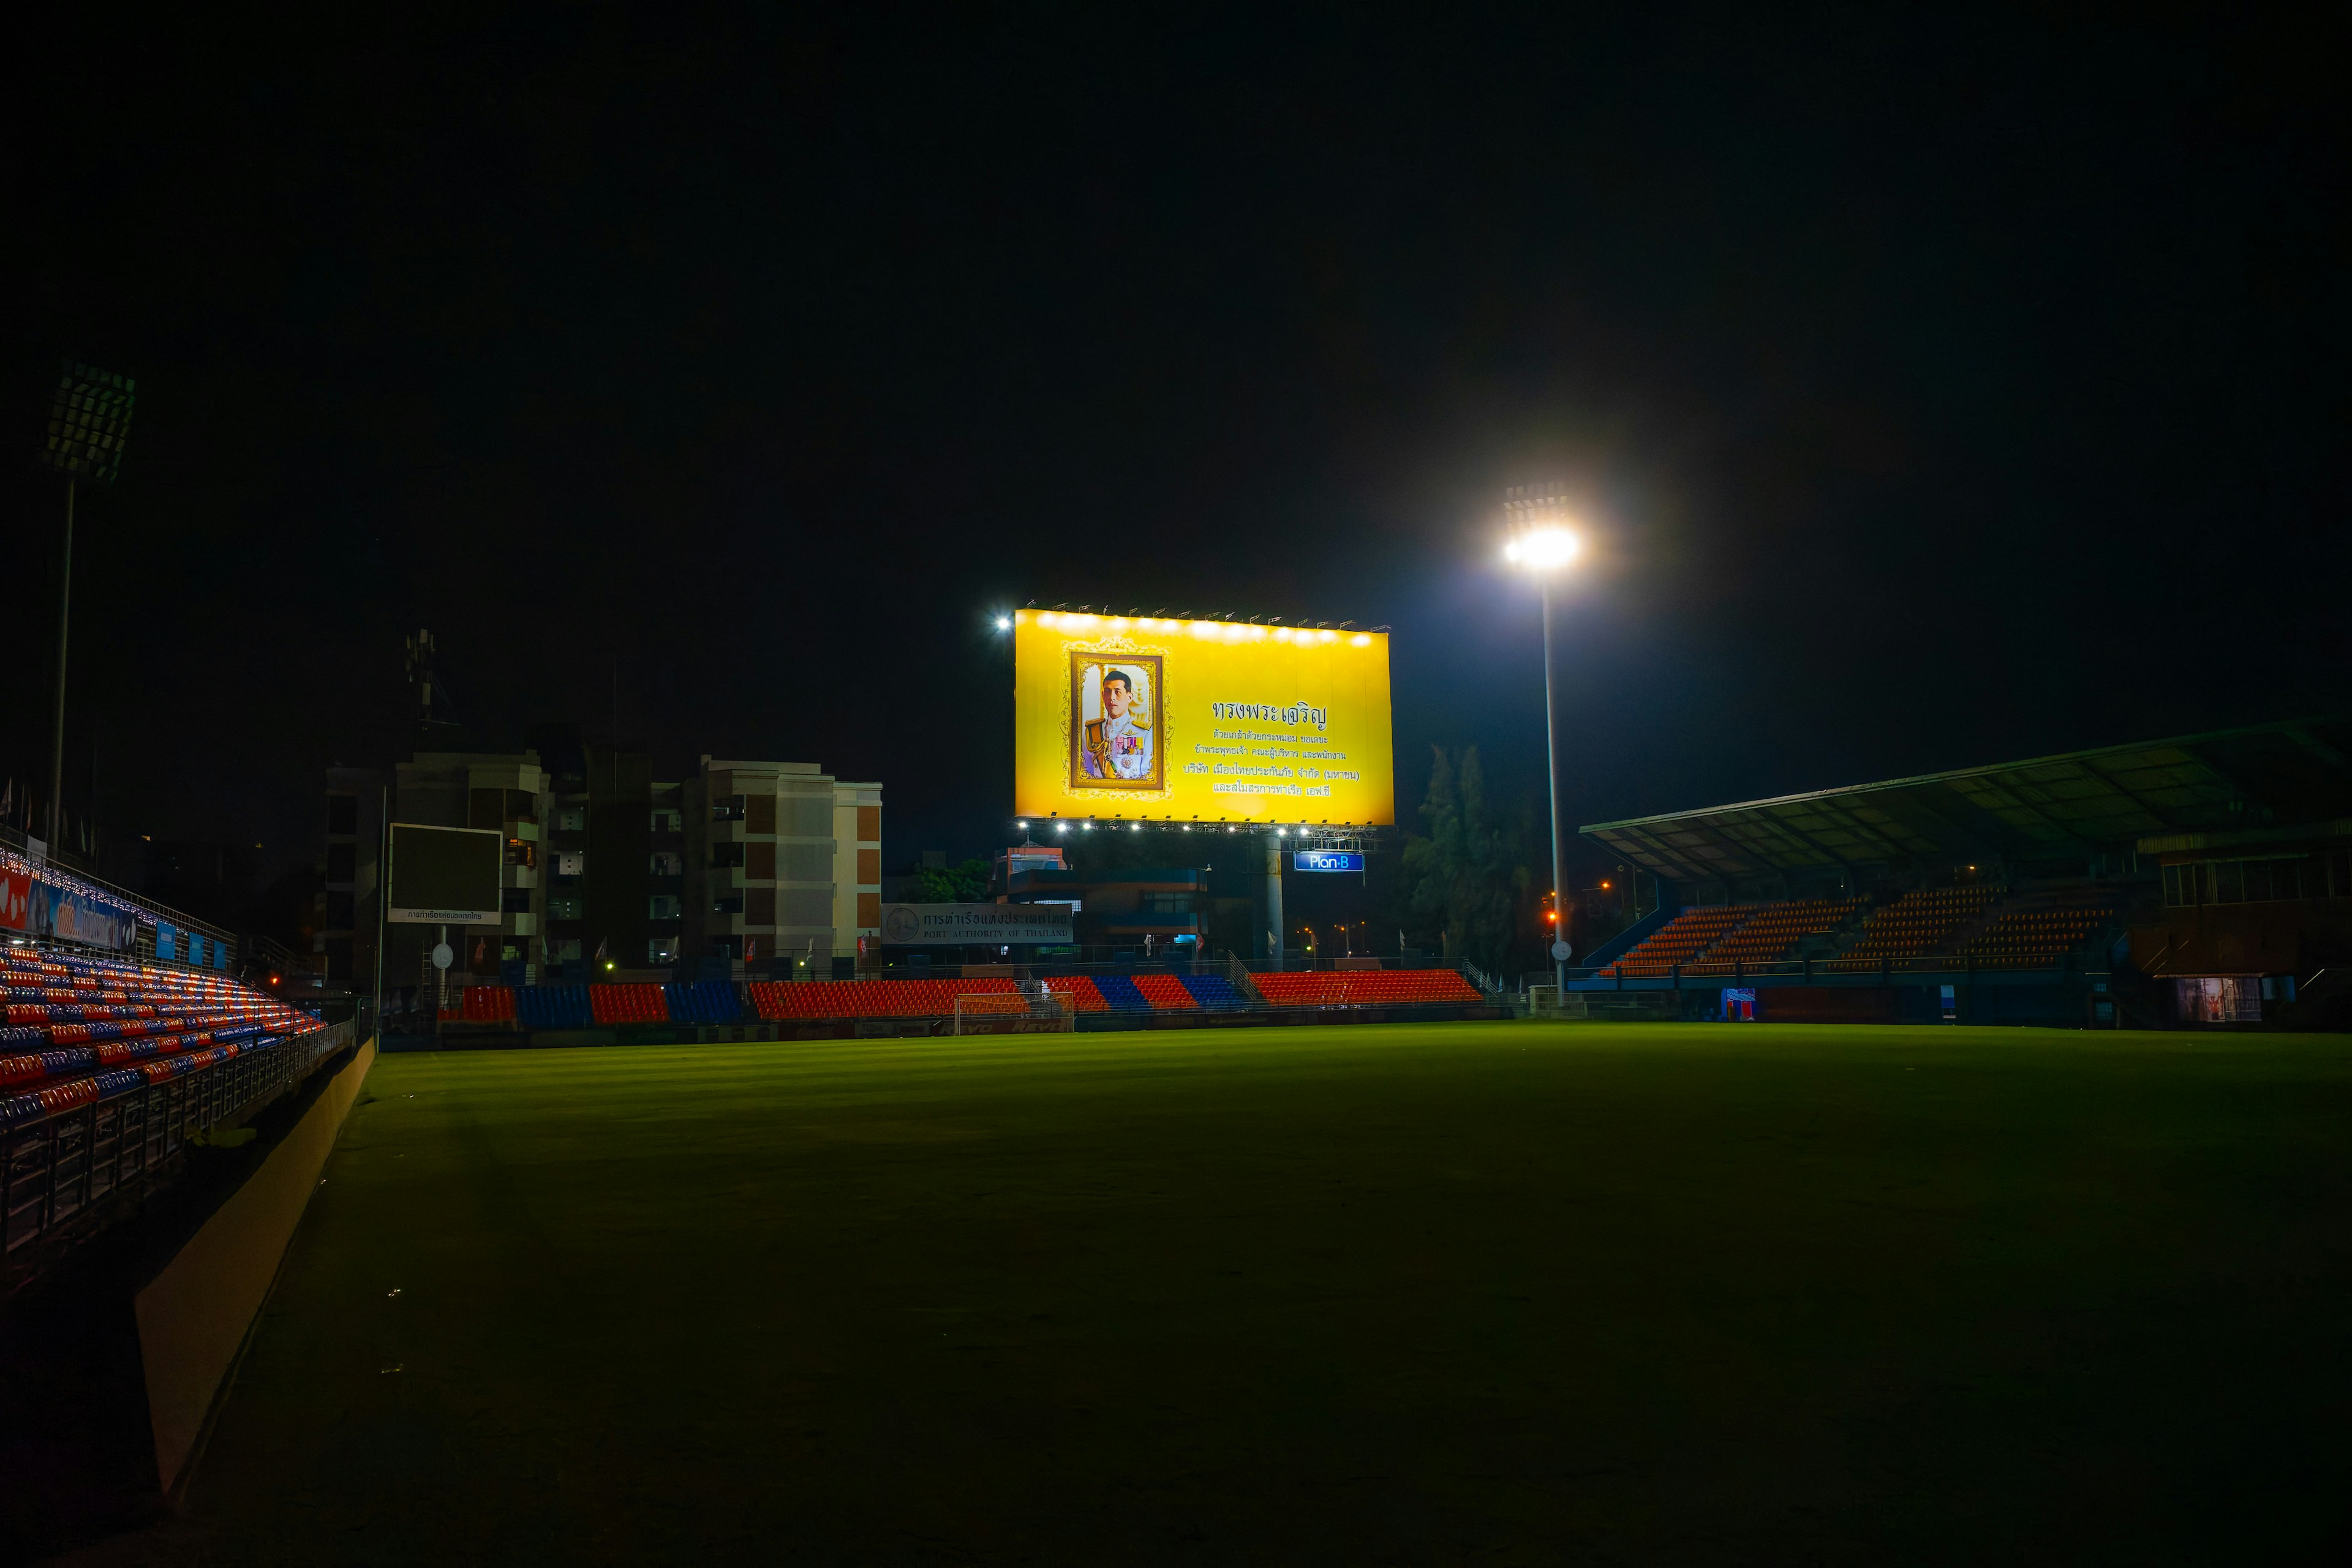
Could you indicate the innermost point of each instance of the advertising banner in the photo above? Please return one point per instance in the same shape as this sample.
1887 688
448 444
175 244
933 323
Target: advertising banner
72 915
1200 720
955 925
167 942
16 897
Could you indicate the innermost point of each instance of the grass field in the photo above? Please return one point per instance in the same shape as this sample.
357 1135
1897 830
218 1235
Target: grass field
1501 1292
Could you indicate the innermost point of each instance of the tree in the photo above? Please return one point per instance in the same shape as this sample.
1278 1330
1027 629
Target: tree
1470 876
964 884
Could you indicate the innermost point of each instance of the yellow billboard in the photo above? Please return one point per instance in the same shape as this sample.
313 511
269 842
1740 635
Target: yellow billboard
1142 718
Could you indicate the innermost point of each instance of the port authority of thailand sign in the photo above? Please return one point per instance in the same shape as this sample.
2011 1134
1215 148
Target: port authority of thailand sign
957 925
1327 860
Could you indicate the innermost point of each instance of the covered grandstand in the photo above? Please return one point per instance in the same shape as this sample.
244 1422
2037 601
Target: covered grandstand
2094 888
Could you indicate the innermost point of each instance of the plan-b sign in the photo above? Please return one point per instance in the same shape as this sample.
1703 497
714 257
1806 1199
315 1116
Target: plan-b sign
957 925
1327 860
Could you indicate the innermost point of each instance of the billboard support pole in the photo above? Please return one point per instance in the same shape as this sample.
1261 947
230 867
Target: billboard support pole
1274 896
1551 759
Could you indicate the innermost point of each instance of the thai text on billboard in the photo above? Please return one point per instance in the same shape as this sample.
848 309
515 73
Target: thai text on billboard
950 925
1146 717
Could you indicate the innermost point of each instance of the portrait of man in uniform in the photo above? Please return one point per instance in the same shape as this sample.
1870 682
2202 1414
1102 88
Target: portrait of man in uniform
1115 721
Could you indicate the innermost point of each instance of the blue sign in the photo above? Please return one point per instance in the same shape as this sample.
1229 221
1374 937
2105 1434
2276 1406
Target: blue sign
1327 860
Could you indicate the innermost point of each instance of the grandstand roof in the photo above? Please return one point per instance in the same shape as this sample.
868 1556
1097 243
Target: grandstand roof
2070 807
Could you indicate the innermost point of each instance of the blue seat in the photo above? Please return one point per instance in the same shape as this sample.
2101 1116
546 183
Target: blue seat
1121 994
555 1007
1212 990
704 1002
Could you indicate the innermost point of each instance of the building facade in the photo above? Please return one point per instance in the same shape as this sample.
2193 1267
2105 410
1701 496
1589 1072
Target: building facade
782 867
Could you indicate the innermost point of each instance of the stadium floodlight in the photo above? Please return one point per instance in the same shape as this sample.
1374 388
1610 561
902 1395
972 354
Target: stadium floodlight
1005 623
1542 545
89 419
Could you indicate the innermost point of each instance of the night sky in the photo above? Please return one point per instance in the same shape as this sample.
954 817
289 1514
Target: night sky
1940 391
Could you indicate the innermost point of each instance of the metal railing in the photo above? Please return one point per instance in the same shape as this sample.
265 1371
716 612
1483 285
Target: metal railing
150 910
63 1172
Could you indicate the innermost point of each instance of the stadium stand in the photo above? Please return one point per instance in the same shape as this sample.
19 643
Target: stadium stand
1214 992
716 1001
1365 988
2040 933
1772 931
824 999
1120 994
1922 921
1681 939
1084 995
81 1030
610 1005
1165 992
704 1002
553 1008
488 1004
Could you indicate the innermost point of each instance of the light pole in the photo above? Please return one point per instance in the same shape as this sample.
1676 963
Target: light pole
90 415
1540 546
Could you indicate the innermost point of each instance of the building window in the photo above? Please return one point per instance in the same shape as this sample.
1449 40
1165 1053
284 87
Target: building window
515 901
668 863
571 863
2266 881
662 950
338 912
667 820
664 907
726 808
567 950
342 862
572 819
342 814
730 905
727 852
563 909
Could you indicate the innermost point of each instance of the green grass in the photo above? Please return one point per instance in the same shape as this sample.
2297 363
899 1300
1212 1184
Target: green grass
1506 1292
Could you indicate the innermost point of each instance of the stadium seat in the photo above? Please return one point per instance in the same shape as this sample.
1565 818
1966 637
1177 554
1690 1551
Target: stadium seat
612 1005
1085 996
835 999
81 1029
1212 991
1120 994
1164 992
488 1005
1365 988
704 1002
555 1007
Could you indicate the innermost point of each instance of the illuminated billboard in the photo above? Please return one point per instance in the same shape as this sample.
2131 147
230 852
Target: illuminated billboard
1120 717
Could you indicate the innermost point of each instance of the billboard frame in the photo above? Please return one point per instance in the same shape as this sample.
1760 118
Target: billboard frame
419 914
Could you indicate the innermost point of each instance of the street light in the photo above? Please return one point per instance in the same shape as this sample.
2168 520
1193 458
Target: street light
1542 545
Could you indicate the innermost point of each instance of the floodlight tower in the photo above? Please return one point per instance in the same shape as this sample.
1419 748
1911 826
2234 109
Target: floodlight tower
1541 544
89 417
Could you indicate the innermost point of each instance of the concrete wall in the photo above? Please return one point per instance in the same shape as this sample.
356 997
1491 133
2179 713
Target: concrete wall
194 1317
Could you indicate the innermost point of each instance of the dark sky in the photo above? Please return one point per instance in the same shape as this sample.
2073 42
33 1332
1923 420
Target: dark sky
1944 390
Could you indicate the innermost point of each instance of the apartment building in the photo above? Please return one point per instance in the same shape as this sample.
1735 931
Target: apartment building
783 864
775 866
